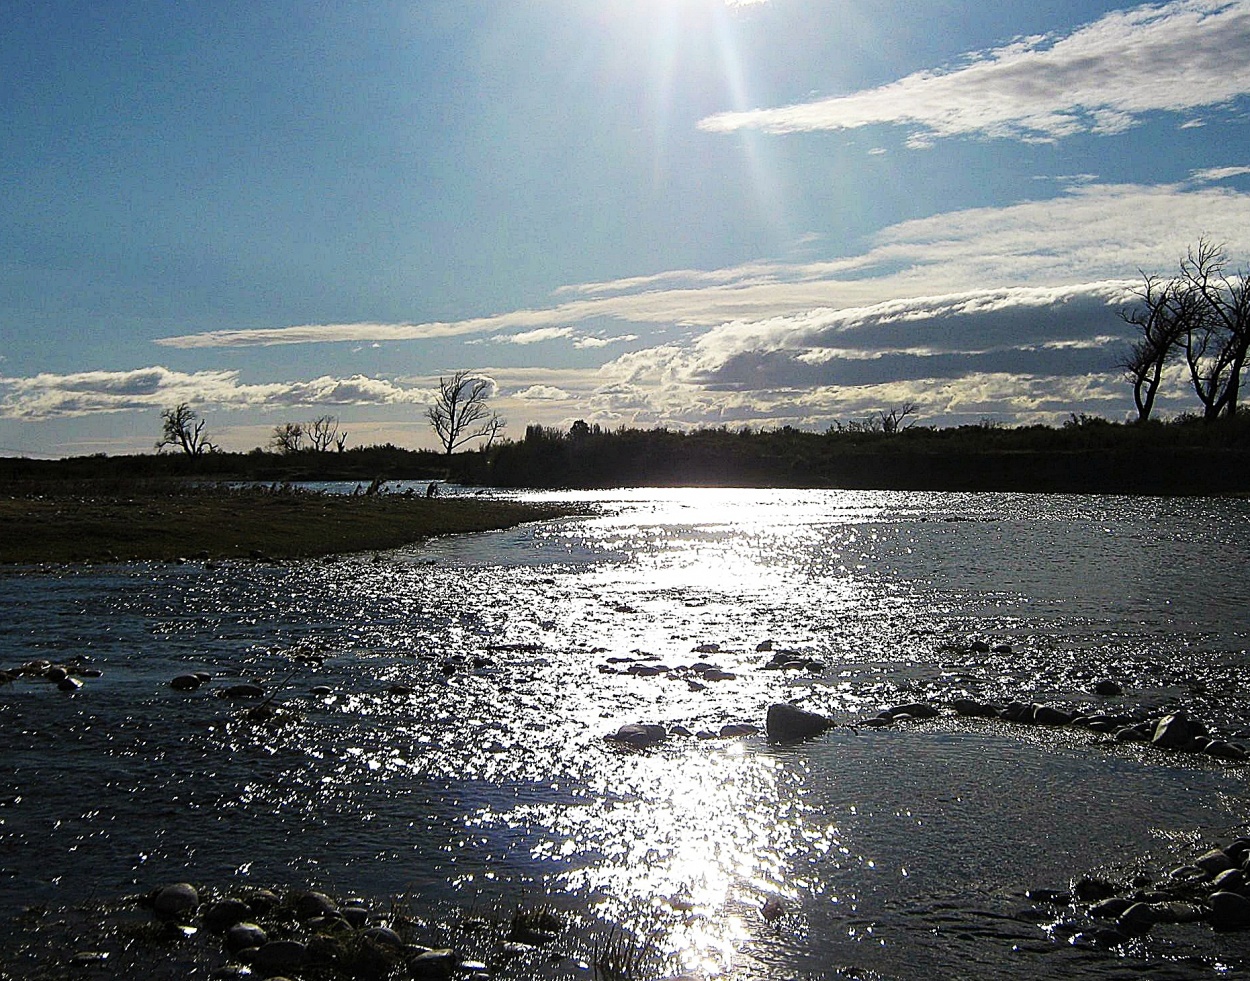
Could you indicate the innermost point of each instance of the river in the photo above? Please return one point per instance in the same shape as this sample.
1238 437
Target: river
459 757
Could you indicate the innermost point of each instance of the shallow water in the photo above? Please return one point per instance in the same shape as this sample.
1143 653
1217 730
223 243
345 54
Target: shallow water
897 853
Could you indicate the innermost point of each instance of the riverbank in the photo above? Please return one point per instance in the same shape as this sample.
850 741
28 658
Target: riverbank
142 523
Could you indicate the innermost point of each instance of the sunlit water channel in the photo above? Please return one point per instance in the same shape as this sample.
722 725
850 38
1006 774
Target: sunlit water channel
484 778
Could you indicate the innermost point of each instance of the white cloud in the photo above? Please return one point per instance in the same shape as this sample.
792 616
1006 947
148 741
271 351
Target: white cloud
1219 173
584 343
1101 78
535 336
47 395
542 393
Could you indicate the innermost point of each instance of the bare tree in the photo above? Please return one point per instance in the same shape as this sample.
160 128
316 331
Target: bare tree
182 427
1160 318
323 432
460 414
1216 308
288 437
893 421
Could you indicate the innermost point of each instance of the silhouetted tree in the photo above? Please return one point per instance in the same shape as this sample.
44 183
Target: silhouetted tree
460 414
1216 310
1160 318
182 427
323 432
288 437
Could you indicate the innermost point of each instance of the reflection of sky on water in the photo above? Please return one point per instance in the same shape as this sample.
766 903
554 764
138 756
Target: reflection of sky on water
461 751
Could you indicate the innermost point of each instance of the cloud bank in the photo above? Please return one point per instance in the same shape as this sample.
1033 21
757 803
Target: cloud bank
48 396
1102 78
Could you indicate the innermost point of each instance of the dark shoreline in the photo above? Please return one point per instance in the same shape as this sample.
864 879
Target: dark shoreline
215 524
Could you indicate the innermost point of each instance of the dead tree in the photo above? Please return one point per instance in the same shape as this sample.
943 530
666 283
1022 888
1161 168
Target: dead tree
288 437
323 432
182 427
460 413
1160 319
1216 310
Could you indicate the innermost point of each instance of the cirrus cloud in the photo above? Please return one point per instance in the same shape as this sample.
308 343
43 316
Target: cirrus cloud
1101 78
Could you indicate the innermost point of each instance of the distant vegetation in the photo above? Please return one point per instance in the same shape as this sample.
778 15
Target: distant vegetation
1187 455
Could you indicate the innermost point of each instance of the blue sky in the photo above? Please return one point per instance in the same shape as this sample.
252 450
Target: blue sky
658 212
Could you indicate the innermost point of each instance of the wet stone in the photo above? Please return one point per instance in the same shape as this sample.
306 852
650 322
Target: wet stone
241 936
309 905
185 682
1229 911
639 735
1136 920
177 900
225 913
788 722
1214 862
1108 689
1110 909
280 955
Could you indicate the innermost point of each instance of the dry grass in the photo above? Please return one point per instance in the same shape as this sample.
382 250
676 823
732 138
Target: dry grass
220 523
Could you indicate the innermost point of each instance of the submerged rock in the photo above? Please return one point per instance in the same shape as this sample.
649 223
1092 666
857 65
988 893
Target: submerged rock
786 722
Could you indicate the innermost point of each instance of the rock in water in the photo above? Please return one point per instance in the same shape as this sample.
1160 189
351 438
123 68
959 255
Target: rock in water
639 735
786 722
1175 731
1229 911
177 900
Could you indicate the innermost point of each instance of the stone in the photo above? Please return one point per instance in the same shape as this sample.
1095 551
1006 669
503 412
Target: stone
1175 731
1173 911
321 691
1229 911
974 709
312 904
243 935
355 914
1136 920
733 730
434 963
280 955
917 710
1110 909
1108 689
185 682
178 900
243 691
1230 880
1226 751
1214 862
763 646
225 913
1140 733
69 684
384 937
638 735
1048 715
1091 890
979 647
786 722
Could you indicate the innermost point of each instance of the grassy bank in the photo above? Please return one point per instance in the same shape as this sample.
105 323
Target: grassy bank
217 524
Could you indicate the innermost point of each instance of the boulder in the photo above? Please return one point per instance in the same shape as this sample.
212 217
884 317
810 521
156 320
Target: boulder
243 935
916 710
1108 688
1214 862
786 722
968 707
436 963
733 730
1136 920
225 913
1229 911
185 682
313 904
243 691
1048 715
280 955
178 900
639 735
1176 731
